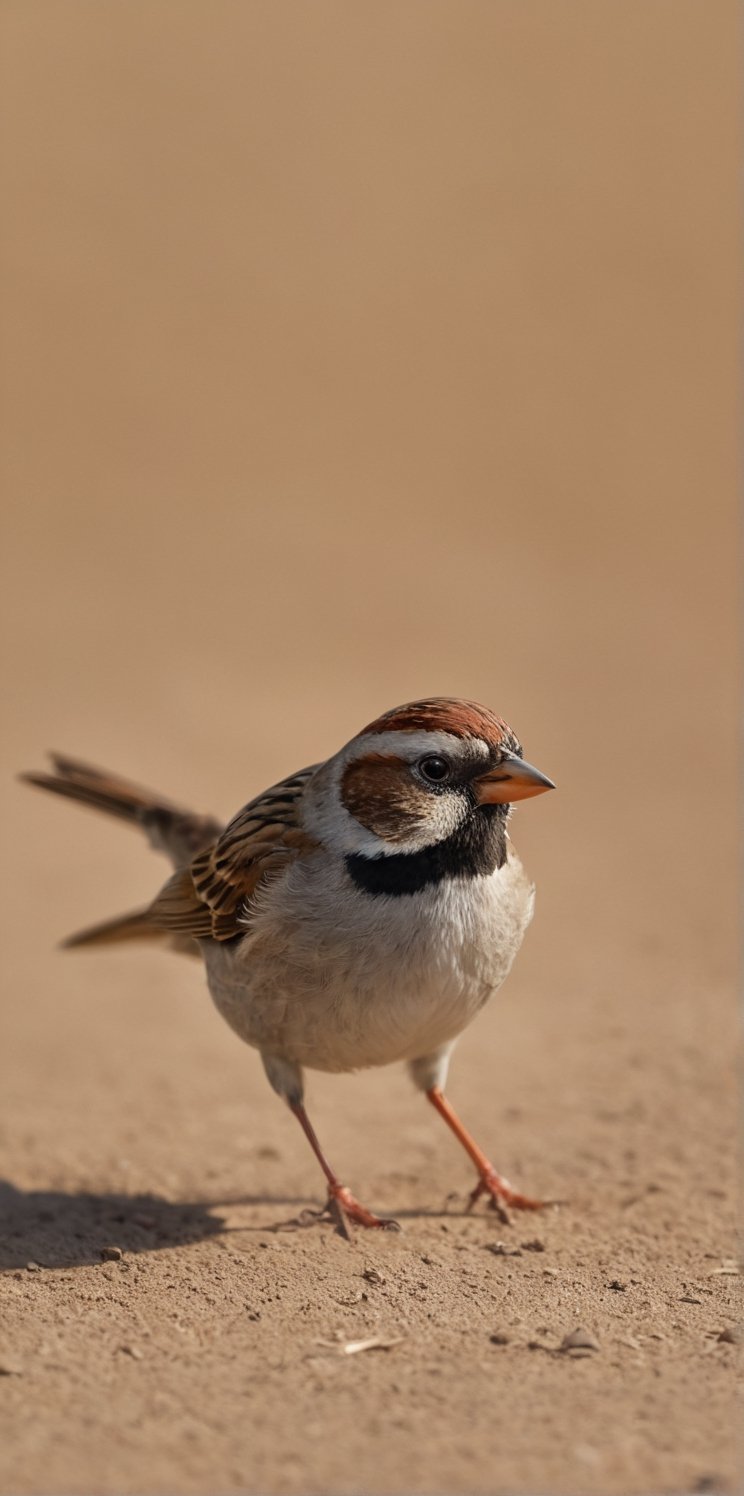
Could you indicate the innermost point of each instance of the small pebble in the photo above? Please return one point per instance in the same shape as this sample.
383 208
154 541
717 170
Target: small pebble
533 1246
111 1254
617 1286
33 1267
500 1249
9 1368
133 1351
579 1340
499 1338
371 1275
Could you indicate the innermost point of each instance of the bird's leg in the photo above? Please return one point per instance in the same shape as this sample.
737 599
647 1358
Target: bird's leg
490 1183
342 1205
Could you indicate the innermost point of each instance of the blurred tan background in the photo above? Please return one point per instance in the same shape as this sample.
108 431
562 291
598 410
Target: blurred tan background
354 353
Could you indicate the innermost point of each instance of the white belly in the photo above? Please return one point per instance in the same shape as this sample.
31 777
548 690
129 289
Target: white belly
335 979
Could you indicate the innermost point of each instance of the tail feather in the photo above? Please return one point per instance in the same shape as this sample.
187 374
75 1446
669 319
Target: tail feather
97 796
181 834
134 926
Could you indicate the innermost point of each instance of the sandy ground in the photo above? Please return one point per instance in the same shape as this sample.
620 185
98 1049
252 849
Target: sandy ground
355 354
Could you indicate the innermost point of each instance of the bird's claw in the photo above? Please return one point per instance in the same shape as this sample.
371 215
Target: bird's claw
342 1208
502 1194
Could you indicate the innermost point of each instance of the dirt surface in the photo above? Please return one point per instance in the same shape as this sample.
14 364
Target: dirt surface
356 353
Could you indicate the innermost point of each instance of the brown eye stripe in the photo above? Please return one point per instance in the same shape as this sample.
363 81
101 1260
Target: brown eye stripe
378 792
443 714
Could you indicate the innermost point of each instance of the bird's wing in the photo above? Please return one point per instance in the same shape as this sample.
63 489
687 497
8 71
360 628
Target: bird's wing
208 899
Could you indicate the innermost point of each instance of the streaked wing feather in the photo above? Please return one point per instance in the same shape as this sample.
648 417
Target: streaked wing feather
207 899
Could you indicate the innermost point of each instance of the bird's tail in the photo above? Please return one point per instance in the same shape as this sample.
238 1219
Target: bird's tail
134 926
180 834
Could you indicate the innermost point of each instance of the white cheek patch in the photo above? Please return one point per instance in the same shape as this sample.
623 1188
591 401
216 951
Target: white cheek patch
326 818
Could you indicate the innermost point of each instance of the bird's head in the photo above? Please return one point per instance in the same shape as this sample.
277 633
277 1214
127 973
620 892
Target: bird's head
419 776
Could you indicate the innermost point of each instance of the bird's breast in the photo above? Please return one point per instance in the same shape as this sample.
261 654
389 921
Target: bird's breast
338 979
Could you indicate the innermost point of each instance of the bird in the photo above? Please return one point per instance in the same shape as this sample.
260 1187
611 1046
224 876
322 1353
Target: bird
361 911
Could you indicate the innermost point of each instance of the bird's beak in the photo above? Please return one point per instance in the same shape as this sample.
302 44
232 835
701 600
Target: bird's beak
512 779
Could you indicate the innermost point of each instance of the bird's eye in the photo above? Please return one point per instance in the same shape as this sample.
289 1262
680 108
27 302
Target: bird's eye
434 768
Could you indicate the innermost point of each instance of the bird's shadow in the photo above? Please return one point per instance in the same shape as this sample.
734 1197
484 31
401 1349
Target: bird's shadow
56 1228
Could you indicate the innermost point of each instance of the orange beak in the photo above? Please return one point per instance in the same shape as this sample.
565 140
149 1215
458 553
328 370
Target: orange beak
512 779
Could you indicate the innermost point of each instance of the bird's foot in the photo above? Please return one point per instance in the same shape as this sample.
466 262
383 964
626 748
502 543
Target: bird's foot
502 1194
342 1208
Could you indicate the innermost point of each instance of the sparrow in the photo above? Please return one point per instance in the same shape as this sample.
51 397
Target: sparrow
361 911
